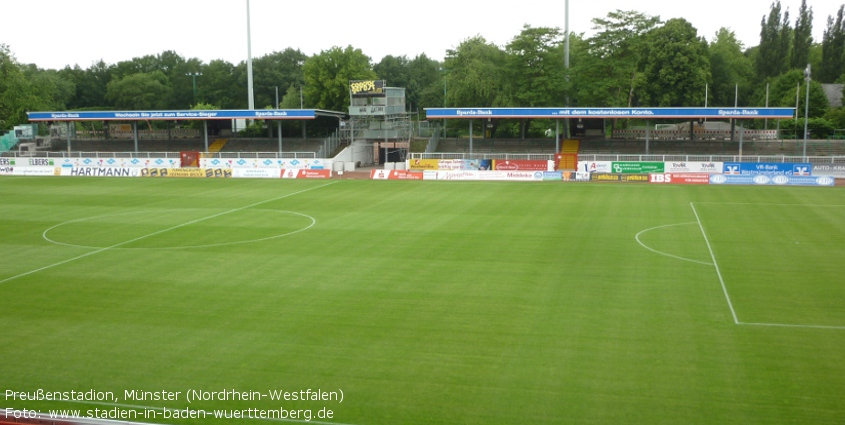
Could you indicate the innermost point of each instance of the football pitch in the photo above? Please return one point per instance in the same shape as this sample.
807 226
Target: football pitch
393 302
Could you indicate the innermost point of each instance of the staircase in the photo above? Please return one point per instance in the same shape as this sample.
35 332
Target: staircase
568 156
217 146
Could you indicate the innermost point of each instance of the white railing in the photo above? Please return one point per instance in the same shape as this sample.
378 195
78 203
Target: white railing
646 158
640 134
221 155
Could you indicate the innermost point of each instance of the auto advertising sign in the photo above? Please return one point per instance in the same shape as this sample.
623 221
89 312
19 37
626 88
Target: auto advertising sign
830 170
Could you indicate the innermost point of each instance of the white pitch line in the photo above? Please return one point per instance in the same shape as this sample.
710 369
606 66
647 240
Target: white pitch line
715 264
637 237
117 245
786 325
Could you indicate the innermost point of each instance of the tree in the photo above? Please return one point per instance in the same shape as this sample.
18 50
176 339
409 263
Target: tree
52 91
328 73
773 51
535 73
394 70
277 69
833 48
220 87
26 88
676 65
141 91
90 85
474 73
614 58
425 85
729 67
803 37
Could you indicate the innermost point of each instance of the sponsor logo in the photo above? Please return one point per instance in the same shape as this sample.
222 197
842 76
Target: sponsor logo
718 179
825 181
761 179
41 162
779 180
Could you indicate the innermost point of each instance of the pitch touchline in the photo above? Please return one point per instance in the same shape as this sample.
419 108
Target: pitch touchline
117 245
715 264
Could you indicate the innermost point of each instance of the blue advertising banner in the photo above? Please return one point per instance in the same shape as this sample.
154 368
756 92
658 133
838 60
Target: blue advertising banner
265 114
768 168
778 180
650 113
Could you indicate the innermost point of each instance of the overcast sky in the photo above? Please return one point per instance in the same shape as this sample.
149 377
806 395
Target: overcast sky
56 33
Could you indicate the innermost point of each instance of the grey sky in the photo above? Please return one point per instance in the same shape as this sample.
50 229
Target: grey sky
53 33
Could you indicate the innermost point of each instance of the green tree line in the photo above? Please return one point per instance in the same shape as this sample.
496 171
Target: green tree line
632 59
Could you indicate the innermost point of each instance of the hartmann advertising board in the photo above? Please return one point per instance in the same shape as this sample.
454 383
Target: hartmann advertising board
777 180
101 171
768 168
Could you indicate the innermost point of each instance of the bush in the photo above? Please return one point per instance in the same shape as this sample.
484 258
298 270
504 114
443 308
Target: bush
819 128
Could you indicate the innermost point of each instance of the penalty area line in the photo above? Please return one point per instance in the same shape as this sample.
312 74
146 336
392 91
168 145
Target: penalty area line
117 245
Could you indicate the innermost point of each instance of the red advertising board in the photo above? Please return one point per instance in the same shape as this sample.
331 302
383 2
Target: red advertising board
683 178
520 165
303 173
395 175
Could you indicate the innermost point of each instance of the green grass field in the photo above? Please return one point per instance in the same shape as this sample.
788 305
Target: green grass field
427 302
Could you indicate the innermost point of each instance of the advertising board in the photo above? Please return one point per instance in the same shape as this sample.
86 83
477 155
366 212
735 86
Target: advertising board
256 173
830 170
395 175
101 171
767 168
680 178
595 166
764 179
278 163
522 165
619 177
485 175
637 167
693 167
206 173
305 174
158 162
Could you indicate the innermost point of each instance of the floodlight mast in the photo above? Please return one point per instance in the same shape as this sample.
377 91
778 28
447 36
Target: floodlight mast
250 93
806 109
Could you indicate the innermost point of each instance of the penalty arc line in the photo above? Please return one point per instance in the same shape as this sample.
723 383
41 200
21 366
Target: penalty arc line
117 245
715 264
